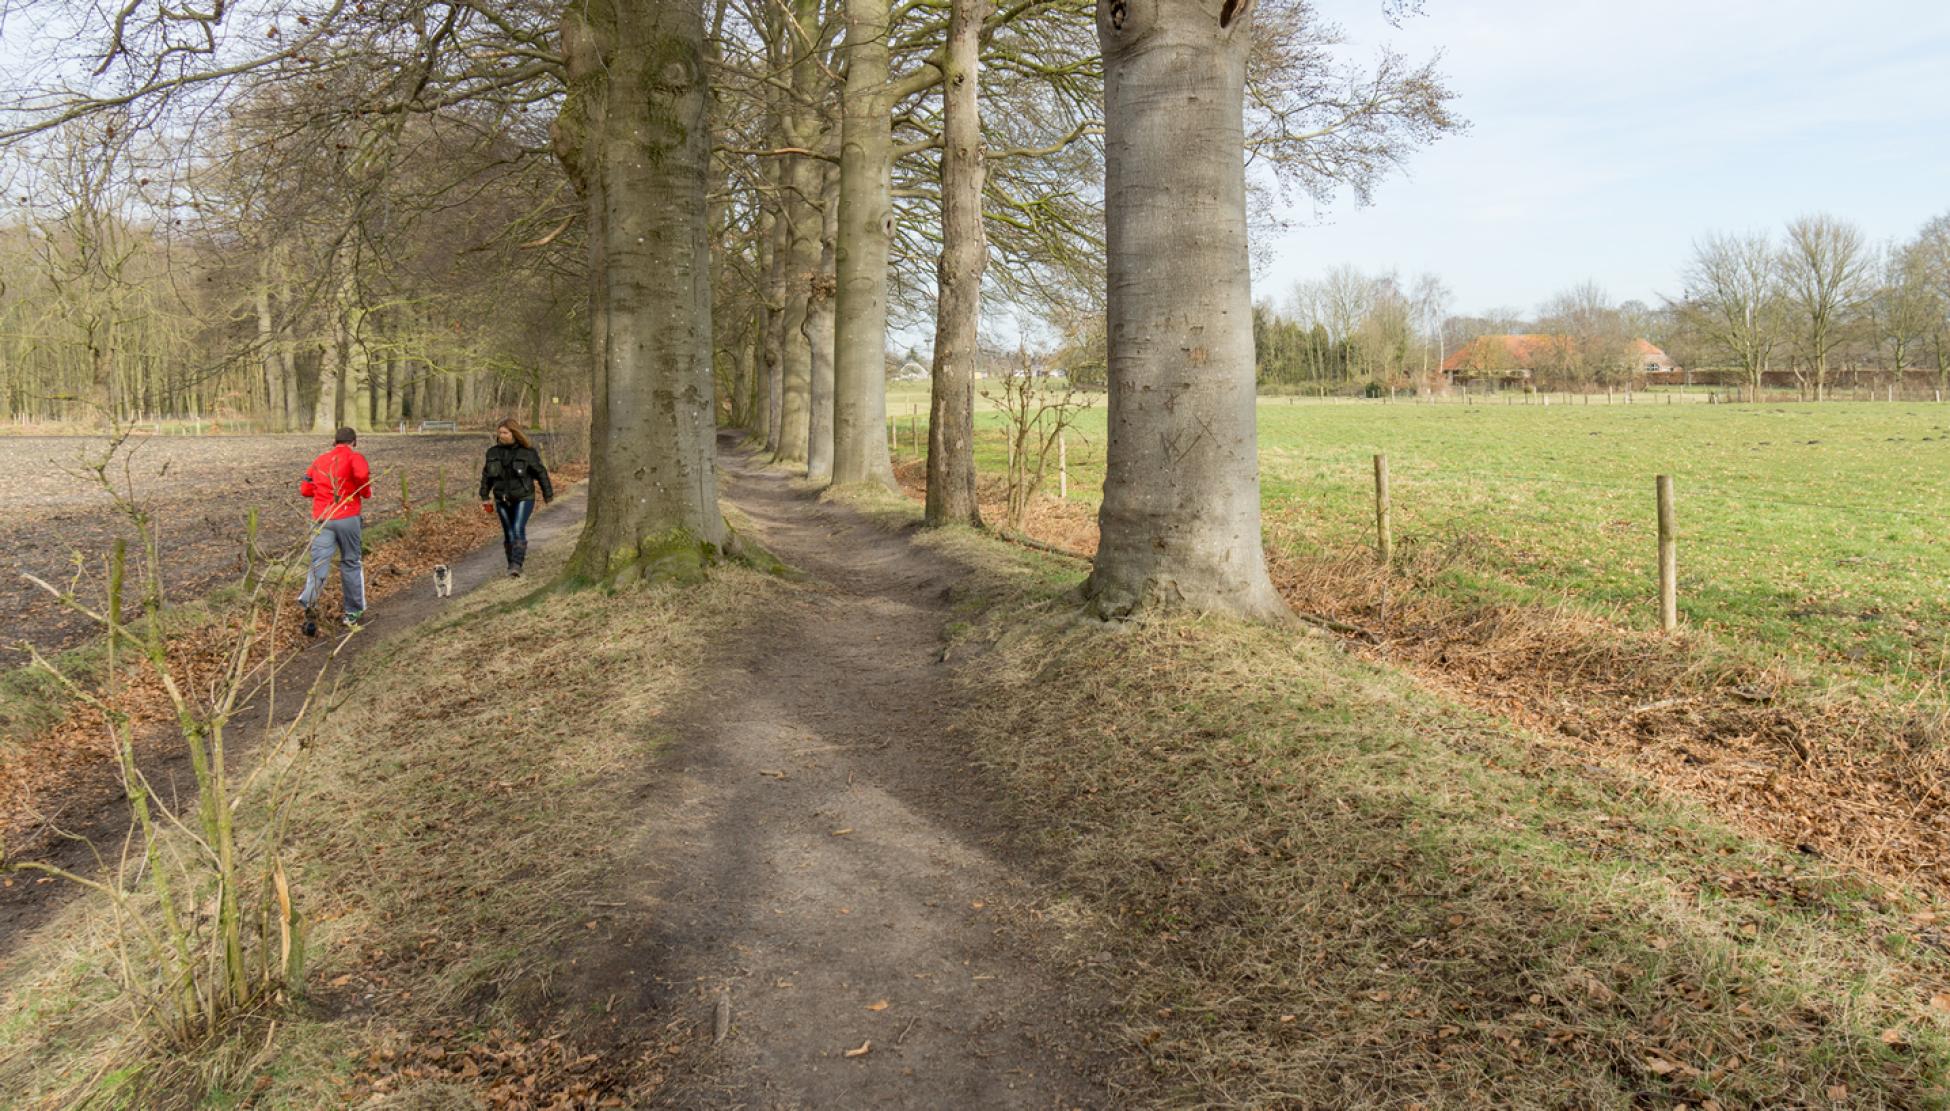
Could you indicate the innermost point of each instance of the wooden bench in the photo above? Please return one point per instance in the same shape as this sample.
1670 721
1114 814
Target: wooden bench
439 426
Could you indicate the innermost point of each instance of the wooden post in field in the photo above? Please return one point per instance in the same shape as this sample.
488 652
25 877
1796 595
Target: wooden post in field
1668 559
914 428
1384 534
1062 465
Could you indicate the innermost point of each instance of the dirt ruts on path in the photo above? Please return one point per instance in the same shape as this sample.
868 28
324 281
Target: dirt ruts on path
817 853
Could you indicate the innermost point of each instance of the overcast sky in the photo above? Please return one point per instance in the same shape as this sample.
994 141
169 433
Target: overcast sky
1605 136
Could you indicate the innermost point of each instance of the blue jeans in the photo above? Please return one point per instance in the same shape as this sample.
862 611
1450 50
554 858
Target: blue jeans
514 526
343 537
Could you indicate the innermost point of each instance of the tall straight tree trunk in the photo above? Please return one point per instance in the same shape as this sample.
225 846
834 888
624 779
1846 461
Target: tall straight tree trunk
359 375
775 294
803 178
819 340
267 346
1180 515
653 499
964 253
801 267
866 224
331 376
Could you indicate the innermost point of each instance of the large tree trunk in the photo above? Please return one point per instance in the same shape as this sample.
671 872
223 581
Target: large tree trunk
331 366
803 179
653 501
359 372
1180 516
964 252
801 267
866 222
819 340
775 333
267 346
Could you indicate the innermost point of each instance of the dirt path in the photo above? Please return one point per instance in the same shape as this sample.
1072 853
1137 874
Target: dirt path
96 814
819 857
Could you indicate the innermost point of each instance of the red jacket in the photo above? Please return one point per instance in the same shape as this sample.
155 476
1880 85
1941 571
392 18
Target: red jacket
337 482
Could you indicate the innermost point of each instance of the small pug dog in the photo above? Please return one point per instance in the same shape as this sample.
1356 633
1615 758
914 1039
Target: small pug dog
443 580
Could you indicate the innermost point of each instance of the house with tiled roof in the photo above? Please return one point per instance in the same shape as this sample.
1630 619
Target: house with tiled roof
1516 358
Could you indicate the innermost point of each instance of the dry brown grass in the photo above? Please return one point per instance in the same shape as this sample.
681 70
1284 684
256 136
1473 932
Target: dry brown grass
1841 772
1320 887
453 831
1832 771
44 770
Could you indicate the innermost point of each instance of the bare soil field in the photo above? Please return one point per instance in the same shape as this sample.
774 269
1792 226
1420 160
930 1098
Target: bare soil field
199 490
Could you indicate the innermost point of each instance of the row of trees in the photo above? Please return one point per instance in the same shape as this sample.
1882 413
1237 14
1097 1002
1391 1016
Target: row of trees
748 192
1819 297
289 266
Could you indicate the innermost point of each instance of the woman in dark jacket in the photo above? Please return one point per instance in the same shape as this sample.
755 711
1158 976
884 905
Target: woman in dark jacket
508 481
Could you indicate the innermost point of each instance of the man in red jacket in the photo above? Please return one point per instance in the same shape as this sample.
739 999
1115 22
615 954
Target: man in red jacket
338 483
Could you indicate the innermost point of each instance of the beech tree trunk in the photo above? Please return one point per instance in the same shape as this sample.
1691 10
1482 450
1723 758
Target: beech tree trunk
774 338
267 346
331 368
801 265
653 501
803 178
964 254
1180 517
866 218
819 341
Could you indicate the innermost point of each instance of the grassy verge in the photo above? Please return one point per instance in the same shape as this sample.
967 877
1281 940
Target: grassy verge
1807 531
451 840
1316 886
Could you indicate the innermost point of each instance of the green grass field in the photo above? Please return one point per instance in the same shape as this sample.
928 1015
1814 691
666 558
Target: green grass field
1815 531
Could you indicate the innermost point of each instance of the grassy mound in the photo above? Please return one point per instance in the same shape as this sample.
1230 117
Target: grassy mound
1316 886
451 841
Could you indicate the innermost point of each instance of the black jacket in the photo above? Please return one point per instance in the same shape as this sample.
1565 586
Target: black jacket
512 473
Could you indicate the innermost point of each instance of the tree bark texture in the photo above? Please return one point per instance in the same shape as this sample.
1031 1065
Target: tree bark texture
267 345
866 217
803 178
653 502
801 265
774 337
1180 520
819 341
964 254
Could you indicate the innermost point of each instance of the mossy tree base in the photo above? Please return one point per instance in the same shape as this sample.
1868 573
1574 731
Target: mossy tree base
674 556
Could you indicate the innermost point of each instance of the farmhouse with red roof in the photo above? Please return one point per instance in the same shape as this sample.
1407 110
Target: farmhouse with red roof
1515 359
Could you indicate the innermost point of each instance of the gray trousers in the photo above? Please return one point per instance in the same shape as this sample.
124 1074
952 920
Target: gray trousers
342 536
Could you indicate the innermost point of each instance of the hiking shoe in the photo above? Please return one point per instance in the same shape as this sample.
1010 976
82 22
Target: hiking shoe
311 621
514 571
354 619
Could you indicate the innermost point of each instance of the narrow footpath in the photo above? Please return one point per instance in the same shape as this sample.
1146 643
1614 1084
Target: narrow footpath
818 868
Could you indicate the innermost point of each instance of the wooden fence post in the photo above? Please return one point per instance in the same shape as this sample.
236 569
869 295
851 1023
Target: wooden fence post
1062 465
1384 534
1668 558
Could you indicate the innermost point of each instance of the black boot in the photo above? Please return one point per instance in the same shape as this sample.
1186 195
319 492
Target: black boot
517 555
508 550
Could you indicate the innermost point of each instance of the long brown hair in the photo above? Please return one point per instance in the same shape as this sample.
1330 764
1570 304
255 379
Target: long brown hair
521 438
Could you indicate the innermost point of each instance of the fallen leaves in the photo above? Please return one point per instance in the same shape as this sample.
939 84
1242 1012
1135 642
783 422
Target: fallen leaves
878 1007
862 1050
